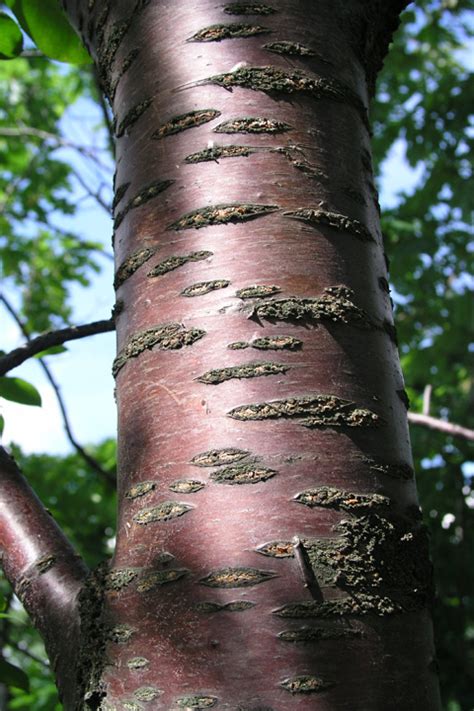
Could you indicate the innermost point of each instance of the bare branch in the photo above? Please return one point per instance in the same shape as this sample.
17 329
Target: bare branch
61 142
435 423
52 338
27 653
427 399
109 477
42 567
95 195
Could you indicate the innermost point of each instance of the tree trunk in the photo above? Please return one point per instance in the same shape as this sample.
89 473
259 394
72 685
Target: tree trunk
269 551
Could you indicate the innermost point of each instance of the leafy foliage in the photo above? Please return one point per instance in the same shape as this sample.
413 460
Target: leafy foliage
424 102
18 390
39 258
11 39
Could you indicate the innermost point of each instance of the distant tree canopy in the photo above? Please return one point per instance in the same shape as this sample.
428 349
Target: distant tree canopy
423 106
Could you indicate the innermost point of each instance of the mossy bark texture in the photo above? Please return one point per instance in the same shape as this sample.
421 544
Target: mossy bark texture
242 138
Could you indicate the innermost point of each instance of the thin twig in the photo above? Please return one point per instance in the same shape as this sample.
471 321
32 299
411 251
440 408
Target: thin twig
435 423
95 195
33 346
18 131
427 399
107 476
28 654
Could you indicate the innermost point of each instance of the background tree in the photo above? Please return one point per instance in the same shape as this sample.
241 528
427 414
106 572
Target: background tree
421 317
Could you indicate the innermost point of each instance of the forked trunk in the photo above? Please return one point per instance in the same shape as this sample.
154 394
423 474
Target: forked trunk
269 549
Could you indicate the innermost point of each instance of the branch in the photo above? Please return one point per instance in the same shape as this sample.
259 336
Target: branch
95 195
43 569
435 423
28 654
18 131
95 466
48 340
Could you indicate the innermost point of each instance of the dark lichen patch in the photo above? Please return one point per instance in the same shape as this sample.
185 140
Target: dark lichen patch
119 193
118 308
205 287
235 606
238 345
396 471
384 285
196 702
248 8
258 291
221 215
93 636
120 634
216 33
185 121
249 370
147 693
277 549
381 562
218 457
332 498
292 49
147 193
168 336
131 117
273 80
252 124
187 486
45 563
335 305
341 223
316 411
403 395
160 577
237 577
306 684
217 152
141 489
243 474
130 265
171 263
316 634
120 578
165 511
138 663
276 343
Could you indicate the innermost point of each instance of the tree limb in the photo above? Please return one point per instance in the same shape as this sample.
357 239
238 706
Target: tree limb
435 423
52 338
109 477
42 567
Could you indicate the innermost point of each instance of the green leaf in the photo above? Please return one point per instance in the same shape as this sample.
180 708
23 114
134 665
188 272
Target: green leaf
11 39
18 390
13 676
2 427
48 26
54 350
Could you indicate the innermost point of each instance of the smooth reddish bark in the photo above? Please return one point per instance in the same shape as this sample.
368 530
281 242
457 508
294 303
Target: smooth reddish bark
308 443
